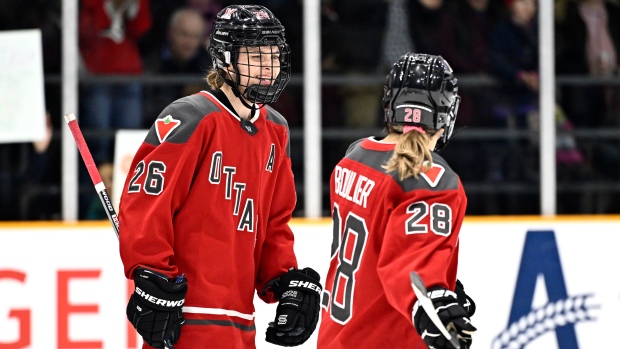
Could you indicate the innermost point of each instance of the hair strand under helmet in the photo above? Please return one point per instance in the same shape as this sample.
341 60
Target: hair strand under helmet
242 26
421 90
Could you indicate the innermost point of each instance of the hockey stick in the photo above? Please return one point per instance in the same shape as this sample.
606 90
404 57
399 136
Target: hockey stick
420 291
92 171
97 181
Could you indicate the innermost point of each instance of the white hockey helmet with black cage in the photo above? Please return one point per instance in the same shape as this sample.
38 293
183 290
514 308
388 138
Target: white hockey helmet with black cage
242 26
421 90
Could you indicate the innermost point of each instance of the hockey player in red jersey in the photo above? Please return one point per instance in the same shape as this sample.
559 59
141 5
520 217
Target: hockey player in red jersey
205 212
397 207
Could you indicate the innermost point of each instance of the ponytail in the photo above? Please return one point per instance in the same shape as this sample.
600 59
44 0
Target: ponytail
214 80
411 154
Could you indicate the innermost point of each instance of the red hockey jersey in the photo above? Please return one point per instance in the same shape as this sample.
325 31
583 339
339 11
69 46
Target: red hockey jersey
384 228
211 196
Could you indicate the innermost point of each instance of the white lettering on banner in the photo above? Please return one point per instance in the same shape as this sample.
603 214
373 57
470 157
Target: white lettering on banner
344 179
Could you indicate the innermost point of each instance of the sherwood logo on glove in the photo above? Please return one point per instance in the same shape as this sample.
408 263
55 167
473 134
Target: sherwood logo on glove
441 293
306 284
158 301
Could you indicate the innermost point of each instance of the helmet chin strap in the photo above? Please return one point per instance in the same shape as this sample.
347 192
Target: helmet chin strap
235 89
238 94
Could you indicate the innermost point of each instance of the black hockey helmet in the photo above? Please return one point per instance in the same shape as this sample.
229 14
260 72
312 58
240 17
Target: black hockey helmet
239 26
421 90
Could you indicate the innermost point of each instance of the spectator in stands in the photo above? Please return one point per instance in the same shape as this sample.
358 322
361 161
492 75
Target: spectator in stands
466 35
109 31
412 26
357 32
40 182
425 23
29 178
182 53
185 52
30 173
588 43
162 11
208 9
108 34
514 59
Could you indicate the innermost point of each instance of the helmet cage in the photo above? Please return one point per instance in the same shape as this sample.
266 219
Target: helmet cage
422 91
250 31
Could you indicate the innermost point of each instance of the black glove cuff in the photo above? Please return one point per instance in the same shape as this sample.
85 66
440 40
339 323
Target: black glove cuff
464 299
306 280
156 292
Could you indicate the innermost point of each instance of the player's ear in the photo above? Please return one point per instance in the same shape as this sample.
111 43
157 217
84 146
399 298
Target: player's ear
437 135
435 138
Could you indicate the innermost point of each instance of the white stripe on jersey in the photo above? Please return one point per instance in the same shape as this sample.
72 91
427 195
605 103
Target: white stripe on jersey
217 311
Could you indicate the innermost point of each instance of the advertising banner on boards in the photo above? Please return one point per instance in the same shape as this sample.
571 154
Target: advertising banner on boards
536 283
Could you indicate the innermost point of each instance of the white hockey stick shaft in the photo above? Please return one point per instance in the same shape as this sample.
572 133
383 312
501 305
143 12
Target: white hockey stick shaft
93 172
420 291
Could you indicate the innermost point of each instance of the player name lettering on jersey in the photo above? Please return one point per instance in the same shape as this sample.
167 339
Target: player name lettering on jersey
353 187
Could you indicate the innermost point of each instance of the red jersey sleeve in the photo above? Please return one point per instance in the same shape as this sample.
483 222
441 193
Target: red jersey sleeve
156 187
421 236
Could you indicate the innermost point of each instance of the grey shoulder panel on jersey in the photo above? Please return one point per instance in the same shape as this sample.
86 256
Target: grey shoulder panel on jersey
371 158
376 159
277 118
189 111
353 145
449 180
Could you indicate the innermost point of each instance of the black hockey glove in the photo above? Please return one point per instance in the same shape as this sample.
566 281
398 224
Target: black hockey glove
297 315
154 308
452 315
464 299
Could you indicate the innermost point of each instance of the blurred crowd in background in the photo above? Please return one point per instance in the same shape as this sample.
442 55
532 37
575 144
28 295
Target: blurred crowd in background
492 46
